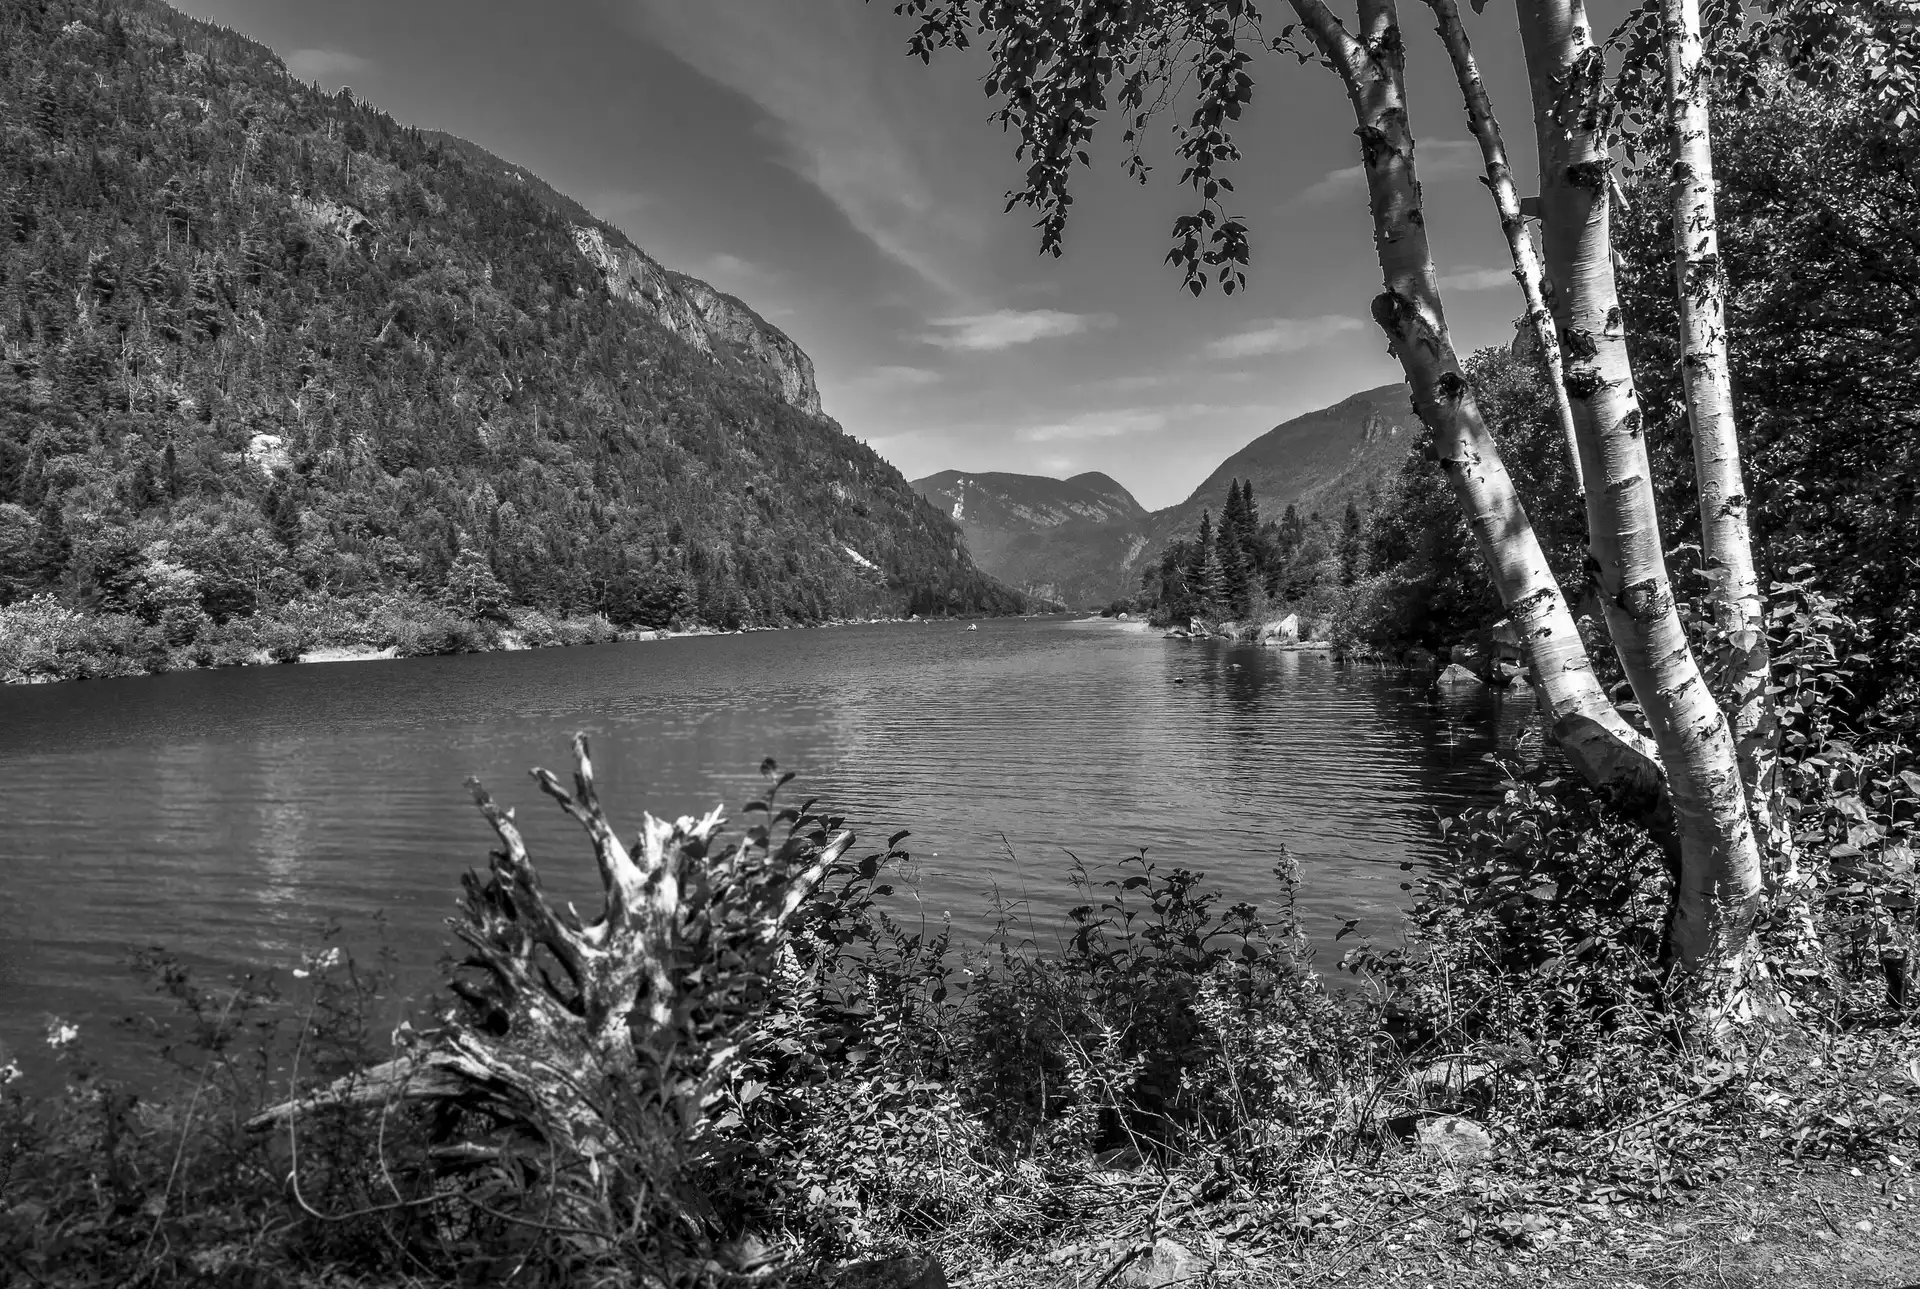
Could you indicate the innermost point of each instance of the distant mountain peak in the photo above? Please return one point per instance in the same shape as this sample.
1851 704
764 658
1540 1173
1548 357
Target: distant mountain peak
1062 539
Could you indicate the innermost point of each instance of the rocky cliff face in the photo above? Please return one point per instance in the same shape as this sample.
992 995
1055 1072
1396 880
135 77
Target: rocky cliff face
709 320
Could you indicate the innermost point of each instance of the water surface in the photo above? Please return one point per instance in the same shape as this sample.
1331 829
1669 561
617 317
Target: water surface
227 814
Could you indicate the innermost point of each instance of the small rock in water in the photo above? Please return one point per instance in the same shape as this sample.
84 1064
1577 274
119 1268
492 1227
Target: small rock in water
1179 680
1455 1140
1455 674
1167 1263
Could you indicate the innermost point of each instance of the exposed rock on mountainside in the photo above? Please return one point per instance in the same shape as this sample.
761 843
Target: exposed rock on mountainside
710 321
1068 540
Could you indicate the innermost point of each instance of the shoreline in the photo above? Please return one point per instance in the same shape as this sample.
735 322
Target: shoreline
508 640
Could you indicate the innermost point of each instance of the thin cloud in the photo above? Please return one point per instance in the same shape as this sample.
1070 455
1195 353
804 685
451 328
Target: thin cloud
325 65
843 127
1476 280
731 272
1433 159
1281 336
1098 425
1119 422
893 379
1005 328
616 204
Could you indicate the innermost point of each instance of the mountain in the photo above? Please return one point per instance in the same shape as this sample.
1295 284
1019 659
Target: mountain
263 348
1085 540
715 323
1067 540
1315 462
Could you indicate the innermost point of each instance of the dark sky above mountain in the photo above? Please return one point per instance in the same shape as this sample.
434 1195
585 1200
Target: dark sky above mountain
788 152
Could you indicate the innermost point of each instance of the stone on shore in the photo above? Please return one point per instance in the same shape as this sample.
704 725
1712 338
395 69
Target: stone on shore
1282 630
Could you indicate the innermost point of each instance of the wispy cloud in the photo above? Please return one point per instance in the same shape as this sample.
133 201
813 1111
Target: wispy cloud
1005 328
1281 336
325 66
1118 422
616 204
1098 425
1432 158
1476 280
843 127
894 379
732 273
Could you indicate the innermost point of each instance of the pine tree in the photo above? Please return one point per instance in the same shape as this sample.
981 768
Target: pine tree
472 587
1353 545
1236 572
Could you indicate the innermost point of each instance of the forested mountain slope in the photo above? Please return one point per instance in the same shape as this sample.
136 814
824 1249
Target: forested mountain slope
1070 540
1317 462
1087 542
261 346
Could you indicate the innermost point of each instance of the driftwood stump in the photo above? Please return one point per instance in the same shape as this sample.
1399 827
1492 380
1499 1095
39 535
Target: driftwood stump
581 1054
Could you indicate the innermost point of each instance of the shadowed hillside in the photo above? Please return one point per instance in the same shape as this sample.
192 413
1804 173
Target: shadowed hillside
1316 462
1070 540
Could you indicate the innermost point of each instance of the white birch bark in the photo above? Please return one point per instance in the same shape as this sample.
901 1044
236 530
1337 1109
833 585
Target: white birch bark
1506 199
1600 743
1719 887
1739 610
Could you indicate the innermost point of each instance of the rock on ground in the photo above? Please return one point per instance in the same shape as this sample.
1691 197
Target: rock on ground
1455 1140
1167 1263
909 1271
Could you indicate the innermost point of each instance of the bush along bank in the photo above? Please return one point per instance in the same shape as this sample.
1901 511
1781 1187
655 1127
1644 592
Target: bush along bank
744 1068
43 640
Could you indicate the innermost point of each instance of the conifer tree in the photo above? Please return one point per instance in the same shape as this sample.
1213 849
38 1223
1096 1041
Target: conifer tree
1352 545
1231 545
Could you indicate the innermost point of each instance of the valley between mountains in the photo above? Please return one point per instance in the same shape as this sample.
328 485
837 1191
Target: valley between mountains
1084 542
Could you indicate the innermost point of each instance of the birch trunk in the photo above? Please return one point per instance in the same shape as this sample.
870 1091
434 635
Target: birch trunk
1739 611
1607 751
1526 265
1719 886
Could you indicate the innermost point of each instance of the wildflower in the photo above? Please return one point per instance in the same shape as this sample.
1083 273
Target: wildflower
60 1034
9 1072
313 962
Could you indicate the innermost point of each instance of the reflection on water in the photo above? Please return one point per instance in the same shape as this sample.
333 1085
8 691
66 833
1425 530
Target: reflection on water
227 814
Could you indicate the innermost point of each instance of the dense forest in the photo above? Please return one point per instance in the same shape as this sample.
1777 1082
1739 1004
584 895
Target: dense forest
1242 569
1818 197
280 372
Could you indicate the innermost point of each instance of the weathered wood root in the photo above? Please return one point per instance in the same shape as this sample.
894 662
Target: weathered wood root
580 1038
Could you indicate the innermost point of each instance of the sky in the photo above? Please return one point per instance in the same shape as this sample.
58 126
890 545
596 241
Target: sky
788 152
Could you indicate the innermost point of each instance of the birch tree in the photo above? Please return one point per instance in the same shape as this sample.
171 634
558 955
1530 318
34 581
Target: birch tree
1733 597
1054 63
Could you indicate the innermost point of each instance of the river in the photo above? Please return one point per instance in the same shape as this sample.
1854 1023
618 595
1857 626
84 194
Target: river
227 814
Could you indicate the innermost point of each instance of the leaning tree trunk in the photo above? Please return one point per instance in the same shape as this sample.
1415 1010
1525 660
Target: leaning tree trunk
1607 750
582 1058
1720 880
1526 265
1738 608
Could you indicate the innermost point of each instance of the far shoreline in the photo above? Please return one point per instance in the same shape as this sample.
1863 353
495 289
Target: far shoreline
511 642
